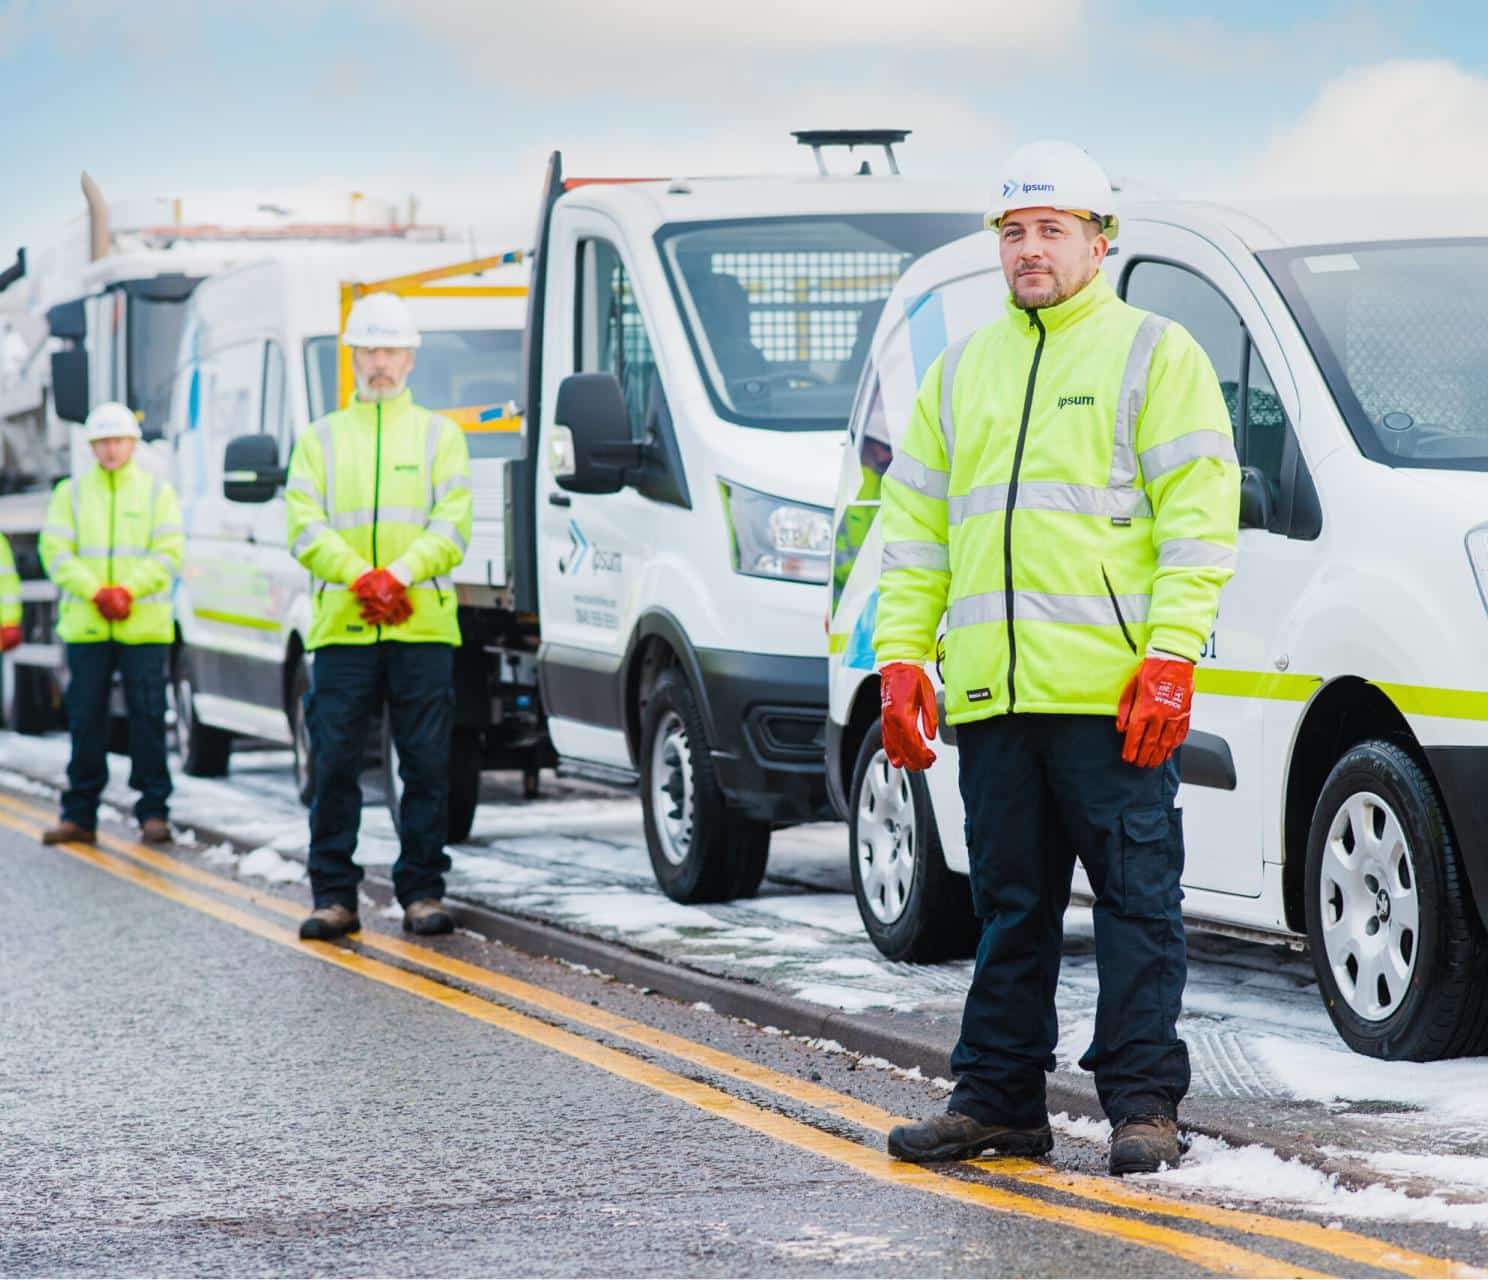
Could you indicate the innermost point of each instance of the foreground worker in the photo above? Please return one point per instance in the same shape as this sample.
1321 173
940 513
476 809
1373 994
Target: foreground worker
1067 494
113 545
380 513
10 599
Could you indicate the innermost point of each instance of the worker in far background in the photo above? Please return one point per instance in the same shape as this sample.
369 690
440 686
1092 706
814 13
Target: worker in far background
380 514
1067 497
10 599
113 545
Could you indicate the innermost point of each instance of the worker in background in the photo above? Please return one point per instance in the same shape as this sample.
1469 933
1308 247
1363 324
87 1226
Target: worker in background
113 544
380 513
10 599
1067 496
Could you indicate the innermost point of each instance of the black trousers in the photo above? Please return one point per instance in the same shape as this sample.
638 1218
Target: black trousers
1041 790
349 687
90 669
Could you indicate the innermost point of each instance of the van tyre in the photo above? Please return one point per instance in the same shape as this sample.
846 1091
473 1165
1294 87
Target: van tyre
700 850
1395 939
914 908
205 750
299 732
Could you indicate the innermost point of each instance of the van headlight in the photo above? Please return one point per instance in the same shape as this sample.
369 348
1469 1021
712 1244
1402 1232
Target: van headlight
777 538
1477 556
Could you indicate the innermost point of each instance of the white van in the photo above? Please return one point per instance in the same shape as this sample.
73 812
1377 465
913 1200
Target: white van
1336 782
258 357
695 346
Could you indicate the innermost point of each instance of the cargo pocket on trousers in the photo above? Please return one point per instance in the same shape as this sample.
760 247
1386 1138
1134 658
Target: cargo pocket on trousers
1151 862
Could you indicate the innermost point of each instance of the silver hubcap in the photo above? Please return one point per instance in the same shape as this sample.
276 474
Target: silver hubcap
671 788
394 777
1370 907
886 839
185 723
302 745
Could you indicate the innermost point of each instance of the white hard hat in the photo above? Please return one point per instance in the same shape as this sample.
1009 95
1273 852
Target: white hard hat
380 320
110 421
1056 175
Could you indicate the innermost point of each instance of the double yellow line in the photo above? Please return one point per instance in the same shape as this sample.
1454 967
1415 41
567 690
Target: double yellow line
171 878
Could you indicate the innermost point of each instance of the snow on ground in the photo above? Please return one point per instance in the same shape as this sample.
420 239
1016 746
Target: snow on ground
1254 1023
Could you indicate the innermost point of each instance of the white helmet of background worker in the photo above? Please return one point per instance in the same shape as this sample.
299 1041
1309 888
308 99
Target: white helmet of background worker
1054 175
110 421
380 320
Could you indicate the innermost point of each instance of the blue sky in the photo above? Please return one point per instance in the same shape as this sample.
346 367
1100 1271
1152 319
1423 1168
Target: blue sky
459 100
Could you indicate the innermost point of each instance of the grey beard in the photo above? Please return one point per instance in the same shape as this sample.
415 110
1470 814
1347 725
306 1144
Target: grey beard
372 395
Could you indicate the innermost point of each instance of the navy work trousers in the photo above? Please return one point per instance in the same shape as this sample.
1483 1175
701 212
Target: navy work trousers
90 681
1041 790
350 685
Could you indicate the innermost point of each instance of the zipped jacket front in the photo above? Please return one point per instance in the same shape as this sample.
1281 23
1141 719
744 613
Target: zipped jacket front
1067 497
114 528
384 484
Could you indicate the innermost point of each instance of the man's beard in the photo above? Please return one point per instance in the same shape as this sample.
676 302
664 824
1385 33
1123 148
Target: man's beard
1059 289
368 394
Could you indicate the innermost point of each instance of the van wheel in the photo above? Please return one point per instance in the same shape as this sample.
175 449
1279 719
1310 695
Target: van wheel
28 704
913 907
205 750
464 781
1398 950
299 733
699 851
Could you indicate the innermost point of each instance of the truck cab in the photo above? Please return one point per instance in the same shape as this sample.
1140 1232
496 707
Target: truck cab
694 350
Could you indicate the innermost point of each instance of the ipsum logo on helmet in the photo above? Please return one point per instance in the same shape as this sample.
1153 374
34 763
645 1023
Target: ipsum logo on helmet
1013 187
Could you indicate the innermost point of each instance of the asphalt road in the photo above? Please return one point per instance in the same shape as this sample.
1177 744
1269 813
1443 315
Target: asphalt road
187 1090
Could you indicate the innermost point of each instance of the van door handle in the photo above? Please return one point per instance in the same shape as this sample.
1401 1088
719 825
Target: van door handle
556 499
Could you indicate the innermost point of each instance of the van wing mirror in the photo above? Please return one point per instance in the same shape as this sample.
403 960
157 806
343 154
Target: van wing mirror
592 449
70 383
251 470
1257 508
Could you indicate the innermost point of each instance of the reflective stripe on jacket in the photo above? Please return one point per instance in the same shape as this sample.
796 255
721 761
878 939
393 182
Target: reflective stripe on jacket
114 528
10 587
1067 495
384 485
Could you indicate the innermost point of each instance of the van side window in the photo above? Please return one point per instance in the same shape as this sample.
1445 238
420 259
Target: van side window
610 335
275 420
1256 413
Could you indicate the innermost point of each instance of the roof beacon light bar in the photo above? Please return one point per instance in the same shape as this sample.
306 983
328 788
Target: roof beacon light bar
817 139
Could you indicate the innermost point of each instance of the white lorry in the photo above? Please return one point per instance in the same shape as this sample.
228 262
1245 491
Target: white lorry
259 358
1336 782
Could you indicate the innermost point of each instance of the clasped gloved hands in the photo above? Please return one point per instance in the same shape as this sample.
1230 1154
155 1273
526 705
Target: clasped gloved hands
384 600
1154 711
113 602
10 638
908 702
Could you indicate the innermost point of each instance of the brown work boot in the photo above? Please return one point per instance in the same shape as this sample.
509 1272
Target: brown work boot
156 831
327 923
427 917
953 1136
68 832
1144 1144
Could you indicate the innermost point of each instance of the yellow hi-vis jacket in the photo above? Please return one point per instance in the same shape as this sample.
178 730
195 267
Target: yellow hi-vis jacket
114 529
1067 496
384 485
10 587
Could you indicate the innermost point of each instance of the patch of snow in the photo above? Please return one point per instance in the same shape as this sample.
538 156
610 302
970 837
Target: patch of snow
1258 1175
1083 1128
702 1006
391 912
848 999
13 781
268 864
218 855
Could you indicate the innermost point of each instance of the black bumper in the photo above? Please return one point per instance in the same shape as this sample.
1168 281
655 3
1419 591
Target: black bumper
1462 777
769 719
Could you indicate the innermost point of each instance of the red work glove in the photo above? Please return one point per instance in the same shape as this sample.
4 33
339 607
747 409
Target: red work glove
907 698
1154 711
113 602
383 598
10 638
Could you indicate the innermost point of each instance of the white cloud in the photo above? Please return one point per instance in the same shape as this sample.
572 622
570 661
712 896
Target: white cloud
1406 127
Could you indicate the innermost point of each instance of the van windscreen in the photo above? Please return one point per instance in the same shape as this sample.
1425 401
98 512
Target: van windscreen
455 369
781 311
1400 331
